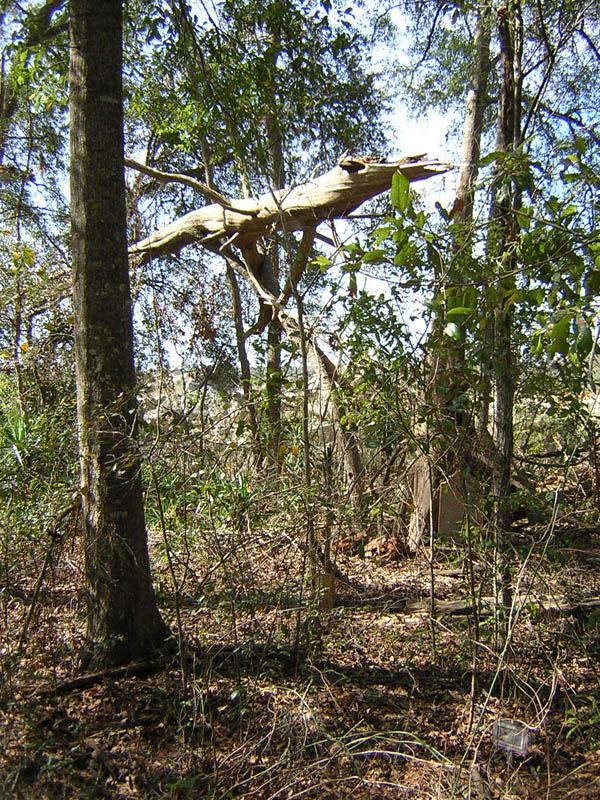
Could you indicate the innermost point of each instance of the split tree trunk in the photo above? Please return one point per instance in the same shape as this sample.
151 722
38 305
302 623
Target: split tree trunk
446 357
123 621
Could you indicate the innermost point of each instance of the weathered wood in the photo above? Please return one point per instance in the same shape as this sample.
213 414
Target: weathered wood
453 607
546 607
334 194
233 228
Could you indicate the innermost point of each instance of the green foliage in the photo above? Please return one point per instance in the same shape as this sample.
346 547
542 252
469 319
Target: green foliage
36 448
13 437
582 718
229 498
38 474
252 77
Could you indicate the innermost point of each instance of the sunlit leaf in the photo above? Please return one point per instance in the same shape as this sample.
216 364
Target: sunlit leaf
453 331
400 191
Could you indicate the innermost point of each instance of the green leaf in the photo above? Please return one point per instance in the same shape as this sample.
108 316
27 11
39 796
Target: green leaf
585 340
28 256
538 342
400 191
323 262
459 310
524 217
381 234
434 258
373 257
496 155
592 280
560 333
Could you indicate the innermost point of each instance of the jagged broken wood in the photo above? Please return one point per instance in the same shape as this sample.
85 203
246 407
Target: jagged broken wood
332 195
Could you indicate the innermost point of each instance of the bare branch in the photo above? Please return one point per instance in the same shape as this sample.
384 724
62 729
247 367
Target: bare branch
589 42
572 120
299 265
176 177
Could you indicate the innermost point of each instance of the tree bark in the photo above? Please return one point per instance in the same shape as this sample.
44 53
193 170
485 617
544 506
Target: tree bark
504 230
477 100
123 621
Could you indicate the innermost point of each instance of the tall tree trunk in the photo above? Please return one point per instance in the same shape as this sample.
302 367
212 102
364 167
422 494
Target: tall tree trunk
477 101
123 621
445 359
504 229
274 329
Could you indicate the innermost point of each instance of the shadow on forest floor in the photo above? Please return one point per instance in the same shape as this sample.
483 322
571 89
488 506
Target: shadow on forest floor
376 704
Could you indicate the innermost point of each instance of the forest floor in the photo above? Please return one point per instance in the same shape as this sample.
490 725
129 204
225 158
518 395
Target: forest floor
379 701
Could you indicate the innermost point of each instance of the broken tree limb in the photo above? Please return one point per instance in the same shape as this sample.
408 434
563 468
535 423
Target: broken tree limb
237 230
542 607
333 194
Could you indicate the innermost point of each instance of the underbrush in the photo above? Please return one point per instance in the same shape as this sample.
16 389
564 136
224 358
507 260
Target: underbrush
392 692
277 698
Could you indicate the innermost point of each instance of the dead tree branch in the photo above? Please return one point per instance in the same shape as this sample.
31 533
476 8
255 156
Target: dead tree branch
244 221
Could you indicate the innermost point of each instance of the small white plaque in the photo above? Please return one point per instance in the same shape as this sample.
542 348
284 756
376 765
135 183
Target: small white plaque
511 735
